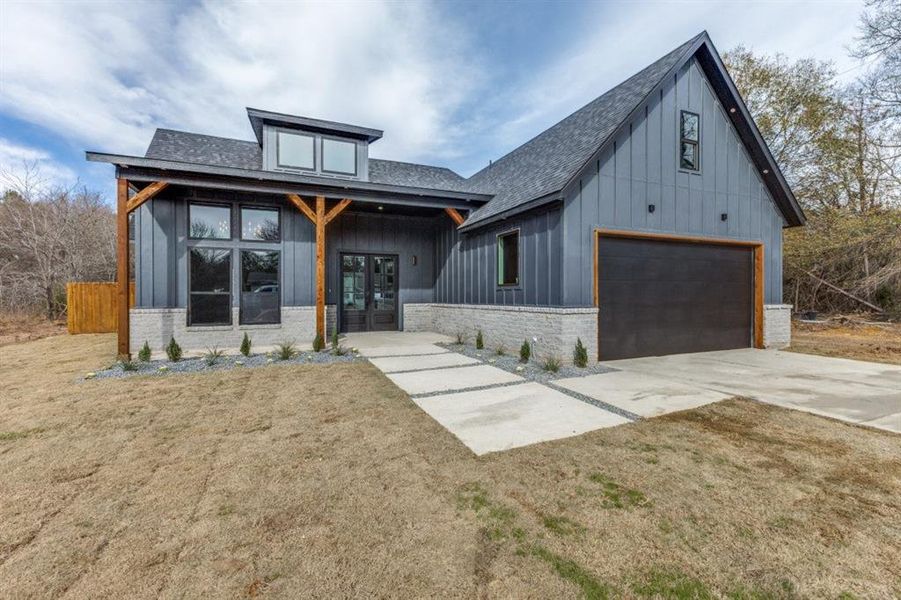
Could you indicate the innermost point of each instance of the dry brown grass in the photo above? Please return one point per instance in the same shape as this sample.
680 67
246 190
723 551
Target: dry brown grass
22 327
319 481
859 341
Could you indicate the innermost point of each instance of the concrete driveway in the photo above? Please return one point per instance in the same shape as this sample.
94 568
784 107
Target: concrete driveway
859 392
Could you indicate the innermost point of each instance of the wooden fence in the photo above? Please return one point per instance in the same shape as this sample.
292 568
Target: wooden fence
91 306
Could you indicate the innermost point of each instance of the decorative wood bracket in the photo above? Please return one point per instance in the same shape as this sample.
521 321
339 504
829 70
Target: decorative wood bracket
455 216
146 194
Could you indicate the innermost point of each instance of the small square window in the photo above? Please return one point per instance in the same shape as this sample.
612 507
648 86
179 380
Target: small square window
508 259
295 151
689 141
210 221
339 156
260 224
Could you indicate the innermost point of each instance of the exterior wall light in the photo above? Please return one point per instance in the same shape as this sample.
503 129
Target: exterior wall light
732 110
765 171
724 216
651 208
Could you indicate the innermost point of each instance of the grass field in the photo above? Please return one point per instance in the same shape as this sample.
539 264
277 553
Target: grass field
310 481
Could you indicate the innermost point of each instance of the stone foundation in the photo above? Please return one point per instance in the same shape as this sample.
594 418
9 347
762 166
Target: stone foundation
158 325
551 331
777 325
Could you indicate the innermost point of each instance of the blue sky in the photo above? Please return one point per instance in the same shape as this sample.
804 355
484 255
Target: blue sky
450 83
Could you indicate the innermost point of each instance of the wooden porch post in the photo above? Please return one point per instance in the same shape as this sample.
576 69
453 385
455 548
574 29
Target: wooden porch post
122 267
320 266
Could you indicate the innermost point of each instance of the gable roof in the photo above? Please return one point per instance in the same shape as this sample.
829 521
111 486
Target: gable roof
540 169
196 148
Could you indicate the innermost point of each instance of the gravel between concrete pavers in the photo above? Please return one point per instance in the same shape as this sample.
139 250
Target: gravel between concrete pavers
532 370
224 363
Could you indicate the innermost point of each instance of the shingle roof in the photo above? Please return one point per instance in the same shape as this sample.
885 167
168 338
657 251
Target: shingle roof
547 162
168 144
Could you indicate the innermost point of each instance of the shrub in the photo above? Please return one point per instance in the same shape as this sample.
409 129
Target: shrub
245 345
525 352
144 353
480 342
129 365
461 337
551 364
335 340
318 343
286 350
212 356
580 354
500 350
173 350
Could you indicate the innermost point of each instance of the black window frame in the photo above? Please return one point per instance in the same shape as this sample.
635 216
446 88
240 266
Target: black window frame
356 146
241 321
500 280
241 237
278 153
688 141
231 220
230 251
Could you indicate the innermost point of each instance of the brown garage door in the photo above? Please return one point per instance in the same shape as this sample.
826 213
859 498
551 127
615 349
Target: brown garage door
663 297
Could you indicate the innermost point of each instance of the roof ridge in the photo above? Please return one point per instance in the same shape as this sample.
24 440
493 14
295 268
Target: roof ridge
407 162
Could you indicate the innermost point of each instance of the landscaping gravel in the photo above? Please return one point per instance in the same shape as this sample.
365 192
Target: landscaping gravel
224 363
532 370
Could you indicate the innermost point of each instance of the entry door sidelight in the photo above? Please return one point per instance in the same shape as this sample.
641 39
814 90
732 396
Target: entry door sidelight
368 292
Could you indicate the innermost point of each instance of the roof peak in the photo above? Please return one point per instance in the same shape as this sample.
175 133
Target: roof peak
258 117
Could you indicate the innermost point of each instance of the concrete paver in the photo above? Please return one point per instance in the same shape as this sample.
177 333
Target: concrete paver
393 364
444 380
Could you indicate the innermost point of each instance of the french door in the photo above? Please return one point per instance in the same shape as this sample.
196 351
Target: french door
368 292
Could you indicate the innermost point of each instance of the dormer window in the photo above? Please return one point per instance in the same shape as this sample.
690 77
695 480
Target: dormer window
339 156
296 151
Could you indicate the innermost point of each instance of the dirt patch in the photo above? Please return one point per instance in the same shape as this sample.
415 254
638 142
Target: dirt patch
17 328
860 341
327 481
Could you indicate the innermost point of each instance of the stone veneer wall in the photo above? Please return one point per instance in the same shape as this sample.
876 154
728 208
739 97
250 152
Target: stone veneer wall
556 329
777 325
158 325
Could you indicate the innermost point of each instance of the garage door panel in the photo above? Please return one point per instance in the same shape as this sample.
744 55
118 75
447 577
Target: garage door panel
660 297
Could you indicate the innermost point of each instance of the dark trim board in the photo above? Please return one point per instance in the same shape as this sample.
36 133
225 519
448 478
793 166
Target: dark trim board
756 247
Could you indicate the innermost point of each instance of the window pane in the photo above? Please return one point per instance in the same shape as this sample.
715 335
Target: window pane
210 270
353 275
689 156
690 126
210 309
338 156
210 221
508 259
260 299
259 224
295 150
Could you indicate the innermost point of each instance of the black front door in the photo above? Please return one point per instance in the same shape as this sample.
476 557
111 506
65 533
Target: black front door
368 292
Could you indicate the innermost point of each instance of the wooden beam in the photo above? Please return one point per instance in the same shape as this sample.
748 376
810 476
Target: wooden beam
122 269
320 266
146 194
302 206
758 295
455 216
336 210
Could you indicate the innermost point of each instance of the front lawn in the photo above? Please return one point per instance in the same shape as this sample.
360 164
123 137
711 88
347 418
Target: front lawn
327 481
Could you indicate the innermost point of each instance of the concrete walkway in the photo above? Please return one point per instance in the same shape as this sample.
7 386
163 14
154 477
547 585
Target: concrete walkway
487 408
855 391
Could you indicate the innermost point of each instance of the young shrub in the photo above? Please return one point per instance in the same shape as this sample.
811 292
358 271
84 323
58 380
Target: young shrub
461 338
245 345
525 352
580 354
144 353
335 340
129 365
551 364
173 350
337 348
480 341
318 343
286 351
500 351
212 356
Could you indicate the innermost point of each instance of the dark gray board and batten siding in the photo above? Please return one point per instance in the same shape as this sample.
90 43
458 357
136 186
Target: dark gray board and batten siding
641 168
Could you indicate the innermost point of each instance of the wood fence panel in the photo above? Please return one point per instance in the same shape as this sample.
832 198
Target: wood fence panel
91 306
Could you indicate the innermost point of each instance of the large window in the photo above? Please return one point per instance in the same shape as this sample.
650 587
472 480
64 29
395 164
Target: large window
689 141
508 258
260 224
209 275
210 221
295 150
260 300
339 156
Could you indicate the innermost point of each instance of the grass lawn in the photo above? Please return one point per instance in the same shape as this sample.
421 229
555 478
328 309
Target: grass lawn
329 482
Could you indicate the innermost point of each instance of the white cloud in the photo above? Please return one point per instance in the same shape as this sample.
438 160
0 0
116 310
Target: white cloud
18 162
106 74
